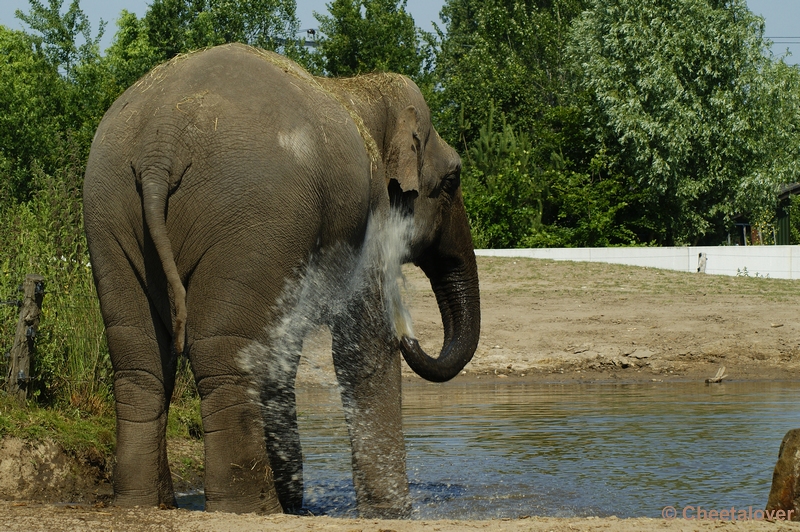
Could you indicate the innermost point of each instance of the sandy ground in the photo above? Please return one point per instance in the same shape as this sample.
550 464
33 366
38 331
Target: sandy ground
31 517
542 321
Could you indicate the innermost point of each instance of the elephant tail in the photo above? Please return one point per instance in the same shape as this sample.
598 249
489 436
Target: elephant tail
156 187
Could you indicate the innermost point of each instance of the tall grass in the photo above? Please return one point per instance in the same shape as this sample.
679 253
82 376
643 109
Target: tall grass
45 235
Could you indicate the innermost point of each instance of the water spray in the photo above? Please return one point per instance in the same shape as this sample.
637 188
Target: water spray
324 294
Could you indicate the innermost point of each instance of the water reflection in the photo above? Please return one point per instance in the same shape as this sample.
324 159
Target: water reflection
505 449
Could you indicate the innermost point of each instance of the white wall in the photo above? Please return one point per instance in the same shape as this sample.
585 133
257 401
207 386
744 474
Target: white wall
782 262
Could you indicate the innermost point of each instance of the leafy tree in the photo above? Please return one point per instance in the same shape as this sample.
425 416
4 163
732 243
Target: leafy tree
362 36
59 33
32 97
594 207
503 187
657 122
549 194
131 53
268 24
510 52
684 94
171 27
177 26
67 45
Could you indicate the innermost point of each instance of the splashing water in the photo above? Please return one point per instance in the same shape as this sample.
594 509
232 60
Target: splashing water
328 292
393 240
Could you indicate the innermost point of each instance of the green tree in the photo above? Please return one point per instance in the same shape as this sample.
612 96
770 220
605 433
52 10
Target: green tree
591 207
60 32
171 27
268 24
361 36
503 187
32 97
131 53
510 52
687 98
513 53
69 48
178 26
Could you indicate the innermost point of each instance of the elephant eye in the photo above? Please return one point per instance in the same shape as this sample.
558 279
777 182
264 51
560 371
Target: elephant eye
451 182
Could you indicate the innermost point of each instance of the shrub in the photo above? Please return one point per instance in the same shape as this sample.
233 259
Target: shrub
45 235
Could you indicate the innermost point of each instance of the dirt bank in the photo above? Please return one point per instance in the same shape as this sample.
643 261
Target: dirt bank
564 321
542 321
582 321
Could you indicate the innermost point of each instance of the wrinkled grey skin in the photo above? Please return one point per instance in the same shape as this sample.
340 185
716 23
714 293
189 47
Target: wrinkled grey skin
210 184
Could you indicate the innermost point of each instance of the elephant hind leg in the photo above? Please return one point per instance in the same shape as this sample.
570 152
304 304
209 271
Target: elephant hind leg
238 475
144 378
138 331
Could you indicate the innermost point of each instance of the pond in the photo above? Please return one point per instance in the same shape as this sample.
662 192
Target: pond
499 448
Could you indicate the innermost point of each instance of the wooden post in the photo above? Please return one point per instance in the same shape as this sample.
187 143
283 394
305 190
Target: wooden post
19 367
702 258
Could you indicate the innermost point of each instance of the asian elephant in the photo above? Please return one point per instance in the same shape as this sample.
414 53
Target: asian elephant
217 189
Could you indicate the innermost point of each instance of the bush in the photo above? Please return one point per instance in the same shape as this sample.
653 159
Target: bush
45 235
503 188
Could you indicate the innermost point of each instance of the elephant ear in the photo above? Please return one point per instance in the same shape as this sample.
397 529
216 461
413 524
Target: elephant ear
404 154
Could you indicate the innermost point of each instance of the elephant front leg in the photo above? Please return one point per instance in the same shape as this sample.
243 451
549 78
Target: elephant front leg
368 370
279 406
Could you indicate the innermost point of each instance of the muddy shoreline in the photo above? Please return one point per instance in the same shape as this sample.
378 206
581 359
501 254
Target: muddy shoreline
696 372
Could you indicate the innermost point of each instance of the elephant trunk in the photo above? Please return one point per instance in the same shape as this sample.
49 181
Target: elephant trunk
453 273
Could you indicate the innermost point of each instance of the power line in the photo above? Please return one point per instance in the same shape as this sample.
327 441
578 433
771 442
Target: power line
784 40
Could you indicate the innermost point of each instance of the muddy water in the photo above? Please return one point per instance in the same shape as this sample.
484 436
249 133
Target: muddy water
505 449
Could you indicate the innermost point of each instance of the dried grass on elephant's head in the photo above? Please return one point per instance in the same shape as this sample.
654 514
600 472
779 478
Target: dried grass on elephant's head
156 74
367 85
327 86
364 87
282 62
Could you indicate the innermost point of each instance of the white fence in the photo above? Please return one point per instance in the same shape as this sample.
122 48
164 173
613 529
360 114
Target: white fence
782 262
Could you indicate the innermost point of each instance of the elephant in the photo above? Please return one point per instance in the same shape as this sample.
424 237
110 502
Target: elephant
233 201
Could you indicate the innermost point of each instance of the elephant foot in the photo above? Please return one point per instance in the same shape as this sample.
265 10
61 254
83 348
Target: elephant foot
785 491
380 511
264 503
129 500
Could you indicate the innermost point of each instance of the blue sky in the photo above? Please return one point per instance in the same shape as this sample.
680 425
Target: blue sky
782 16
423 11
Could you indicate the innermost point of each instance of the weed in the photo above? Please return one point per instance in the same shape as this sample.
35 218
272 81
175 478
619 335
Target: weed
184 417
45 235
76 432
